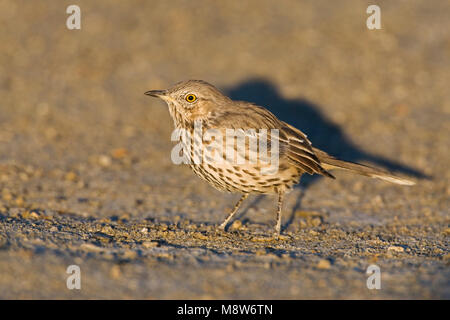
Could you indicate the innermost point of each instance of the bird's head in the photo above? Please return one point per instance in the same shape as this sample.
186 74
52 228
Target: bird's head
191 100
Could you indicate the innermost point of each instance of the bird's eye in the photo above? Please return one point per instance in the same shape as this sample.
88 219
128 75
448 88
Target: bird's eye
191 98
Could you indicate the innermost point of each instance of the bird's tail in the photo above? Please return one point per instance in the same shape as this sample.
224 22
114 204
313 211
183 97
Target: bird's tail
328 162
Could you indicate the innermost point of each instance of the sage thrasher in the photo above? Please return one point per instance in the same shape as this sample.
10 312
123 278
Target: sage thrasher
196 101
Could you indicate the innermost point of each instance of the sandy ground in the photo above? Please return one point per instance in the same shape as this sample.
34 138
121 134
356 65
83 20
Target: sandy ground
85 170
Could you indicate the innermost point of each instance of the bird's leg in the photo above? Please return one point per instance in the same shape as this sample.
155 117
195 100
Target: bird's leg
233 212
280 204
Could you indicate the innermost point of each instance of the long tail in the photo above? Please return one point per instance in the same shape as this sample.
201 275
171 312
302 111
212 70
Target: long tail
328 162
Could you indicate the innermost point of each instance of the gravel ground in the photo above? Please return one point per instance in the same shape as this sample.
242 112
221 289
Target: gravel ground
85 170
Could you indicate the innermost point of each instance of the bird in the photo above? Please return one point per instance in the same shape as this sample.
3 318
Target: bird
197 103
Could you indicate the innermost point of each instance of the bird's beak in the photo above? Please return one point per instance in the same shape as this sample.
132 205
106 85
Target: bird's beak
156 93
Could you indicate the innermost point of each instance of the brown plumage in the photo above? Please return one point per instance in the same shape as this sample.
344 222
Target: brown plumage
197 101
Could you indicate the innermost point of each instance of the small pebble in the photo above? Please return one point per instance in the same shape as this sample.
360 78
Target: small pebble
323 264
236 225
144 230
104 161
396 248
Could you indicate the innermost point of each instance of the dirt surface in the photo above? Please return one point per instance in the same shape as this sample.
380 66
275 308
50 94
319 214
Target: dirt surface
85 170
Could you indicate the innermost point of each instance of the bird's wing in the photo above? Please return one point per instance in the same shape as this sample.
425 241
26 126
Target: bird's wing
255 125
293 144
300 152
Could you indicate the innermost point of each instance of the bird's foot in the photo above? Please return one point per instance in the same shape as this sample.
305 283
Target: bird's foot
221 227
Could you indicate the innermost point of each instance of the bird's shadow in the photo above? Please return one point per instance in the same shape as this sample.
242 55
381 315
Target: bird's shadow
323 133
